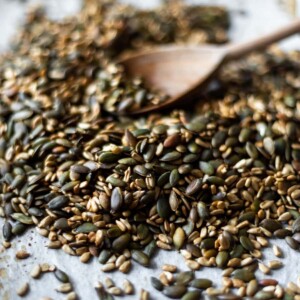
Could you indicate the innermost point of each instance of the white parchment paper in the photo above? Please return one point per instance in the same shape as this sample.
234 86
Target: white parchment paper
250 18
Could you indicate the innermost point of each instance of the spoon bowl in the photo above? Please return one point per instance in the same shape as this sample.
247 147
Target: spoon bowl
180 72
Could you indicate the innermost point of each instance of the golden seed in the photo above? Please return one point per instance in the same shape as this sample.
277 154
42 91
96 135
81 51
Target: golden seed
23 289
36 271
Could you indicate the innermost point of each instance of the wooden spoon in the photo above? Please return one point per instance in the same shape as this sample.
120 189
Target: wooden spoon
181 71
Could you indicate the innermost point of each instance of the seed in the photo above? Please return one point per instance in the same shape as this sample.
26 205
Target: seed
169 268
277 251
125 267
271 225
192 295
252 288
128 287
264 268
163 208
23 289
246 243
7 231
140 257
22 218
296 225
262 295
173 155
201 283
71 296
183 278
58 202
108 267
175 291
222 259
86 228
292 243
121 243
275 264
115 291
61 276
243 275
193 187
22 254
116 199
85 257
36 271
64 288
144 295
179 238
156 284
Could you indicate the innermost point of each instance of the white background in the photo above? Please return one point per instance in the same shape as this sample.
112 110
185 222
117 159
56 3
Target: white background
261 16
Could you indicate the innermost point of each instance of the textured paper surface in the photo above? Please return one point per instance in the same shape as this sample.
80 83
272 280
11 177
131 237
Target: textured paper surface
249 18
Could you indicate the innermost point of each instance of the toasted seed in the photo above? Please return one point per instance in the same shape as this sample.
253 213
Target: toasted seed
275 264
246 243
121 243
243 275
296 225
36 271
144 295
71 296
58 202
23 289
193 187
156 284
201 283
128 287
169 268
64 288
22 254
116 199
292 243
175 291
22 218
192 295
125 266
7 231
277 251
115 291
262 295
252 288
140 257
179 238
61 276
86 228
183 278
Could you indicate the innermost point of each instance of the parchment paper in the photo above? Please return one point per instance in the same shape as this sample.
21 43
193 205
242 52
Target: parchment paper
250 17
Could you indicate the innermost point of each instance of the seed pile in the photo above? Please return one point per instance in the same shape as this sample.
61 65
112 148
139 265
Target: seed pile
215 182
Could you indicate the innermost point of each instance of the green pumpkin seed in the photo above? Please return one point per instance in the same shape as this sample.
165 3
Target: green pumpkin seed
156 284
22 218
201 283
61 276
121 243
192 295
175 291
86 228
140 257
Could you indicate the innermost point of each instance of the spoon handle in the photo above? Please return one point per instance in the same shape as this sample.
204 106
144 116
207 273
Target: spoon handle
239 50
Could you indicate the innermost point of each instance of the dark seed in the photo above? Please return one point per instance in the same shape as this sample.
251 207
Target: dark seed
156 284
58 202
61 276
193 187
175 291
86 228
7 231
201 283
